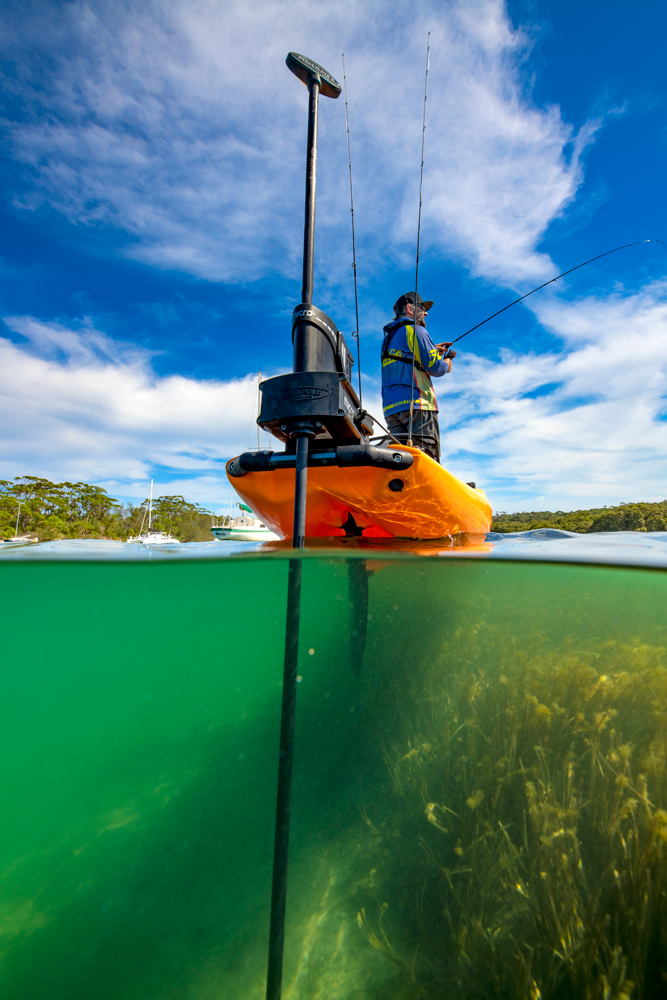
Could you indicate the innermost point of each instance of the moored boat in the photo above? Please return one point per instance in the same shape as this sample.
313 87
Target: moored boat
243 529
152 536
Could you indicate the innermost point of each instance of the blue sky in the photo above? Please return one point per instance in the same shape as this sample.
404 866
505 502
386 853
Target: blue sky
152 190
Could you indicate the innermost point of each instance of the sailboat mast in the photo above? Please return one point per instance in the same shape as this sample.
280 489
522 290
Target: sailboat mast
259 406
150 508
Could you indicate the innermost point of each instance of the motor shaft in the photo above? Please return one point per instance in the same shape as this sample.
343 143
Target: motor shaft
311 180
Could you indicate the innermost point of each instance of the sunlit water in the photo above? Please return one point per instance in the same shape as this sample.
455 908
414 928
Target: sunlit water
481 813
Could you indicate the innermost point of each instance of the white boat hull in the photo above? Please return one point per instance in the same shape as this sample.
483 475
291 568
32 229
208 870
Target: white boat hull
244 534
154 538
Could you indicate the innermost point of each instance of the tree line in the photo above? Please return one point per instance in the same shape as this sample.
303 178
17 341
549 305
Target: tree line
624 517
38 507
78 510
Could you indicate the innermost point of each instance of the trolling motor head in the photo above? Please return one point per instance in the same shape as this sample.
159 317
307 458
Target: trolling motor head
317 399
306 69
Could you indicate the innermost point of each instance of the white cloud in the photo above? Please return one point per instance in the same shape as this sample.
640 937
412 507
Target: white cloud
77 405
599 433
177 123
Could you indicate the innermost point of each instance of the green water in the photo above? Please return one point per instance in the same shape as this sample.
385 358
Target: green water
478 815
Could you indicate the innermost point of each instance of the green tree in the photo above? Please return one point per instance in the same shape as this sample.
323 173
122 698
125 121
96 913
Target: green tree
57 510
633 517
624 517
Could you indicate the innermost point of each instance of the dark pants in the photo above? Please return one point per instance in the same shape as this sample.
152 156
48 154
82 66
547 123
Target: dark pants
425 430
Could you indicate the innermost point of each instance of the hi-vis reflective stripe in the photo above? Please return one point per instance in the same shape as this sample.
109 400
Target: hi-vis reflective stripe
413 342
389 357
404 404
405 359
432 354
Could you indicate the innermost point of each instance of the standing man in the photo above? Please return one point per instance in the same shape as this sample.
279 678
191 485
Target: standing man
398 390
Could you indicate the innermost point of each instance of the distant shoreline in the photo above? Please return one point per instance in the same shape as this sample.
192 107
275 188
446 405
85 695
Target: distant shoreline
624 517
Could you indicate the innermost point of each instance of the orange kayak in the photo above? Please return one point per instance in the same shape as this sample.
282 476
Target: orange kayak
423 501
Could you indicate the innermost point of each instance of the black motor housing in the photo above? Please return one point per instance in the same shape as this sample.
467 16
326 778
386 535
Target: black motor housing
318 394
318 344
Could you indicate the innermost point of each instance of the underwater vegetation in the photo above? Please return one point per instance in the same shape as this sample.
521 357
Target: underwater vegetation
525 852
479 808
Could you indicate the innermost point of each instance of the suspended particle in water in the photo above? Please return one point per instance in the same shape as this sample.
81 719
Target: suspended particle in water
299 678
311 652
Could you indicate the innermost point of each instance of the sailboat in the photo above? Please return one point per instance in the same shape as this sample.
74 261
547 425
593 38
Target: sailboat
152 536
335 478
244 528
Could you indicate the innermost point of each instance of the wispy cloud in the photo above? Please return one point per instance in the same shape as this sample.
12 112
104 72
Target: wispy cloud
176 123
583 427
77 405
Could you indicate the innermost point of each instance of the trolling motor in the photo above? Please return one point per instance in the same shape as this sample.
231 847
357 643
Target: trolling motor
314 410
317 401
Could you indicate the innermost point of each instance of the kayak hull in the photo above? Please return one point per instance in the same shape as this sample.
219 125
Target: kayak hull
430 502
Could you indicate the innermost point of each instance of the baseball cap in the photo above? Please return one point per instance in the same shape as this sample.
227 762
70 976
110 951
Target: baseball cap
399 305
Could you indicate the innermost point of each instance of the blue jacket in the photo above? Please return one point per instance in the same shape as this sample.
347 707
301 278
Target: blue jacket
399 339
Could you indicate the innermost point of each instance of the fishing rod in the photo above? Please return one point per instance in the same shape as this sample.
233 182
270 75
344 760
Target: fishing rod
354 249
550 282
419 227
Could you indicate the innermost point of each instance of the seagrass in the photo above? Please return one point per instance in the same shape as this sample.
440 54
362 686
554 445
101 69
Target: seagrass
525 855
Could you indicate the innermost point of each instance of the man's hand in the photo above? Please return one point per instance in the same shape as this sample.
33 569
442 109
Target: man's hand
444 352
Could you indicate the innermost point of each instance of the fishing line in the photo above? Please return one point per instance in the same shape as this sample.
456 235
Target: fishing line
387 432
354 248
606 254
419 227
